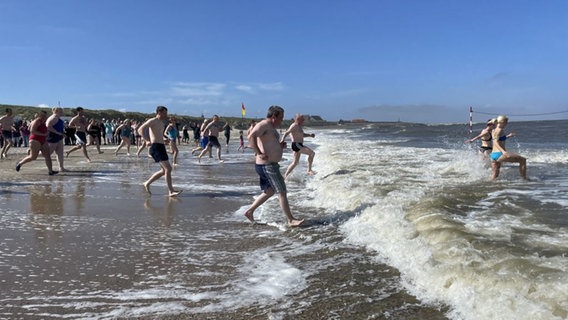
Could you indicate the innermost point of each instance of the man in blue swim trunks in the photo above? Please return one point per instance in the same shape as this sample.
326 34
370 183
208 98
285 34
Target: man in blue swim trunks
155 136
264 140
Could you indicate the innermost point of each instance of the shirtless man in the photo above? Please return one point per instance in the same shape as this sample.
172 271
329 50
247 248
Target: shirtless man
79 122
7 124
264 140
155 136
297 133
212 130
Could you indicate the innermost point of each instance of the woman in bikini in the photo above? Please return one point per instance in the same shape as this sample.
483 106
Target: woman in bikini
500 154
485 137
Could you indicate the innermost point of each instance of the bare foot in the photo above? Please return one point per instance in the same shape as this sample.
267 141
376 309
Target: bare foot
249 216
221 161
147 187
295 223
311 173
175 193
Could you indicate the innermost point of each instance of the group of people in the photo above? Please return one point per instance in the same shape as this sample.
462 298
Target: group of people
493 138
47 136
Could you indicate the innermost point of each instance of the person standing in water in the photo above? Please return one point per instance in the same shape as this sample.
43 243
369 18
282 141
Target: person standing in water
155 135
264 140
500 154
297 135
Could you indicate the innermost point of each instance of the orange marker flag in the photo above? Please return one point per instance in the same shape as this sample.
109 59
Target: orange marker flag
243 110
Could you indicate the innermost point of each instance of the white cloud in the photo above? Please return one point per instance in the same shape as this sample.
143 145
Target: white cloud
192 89
43 105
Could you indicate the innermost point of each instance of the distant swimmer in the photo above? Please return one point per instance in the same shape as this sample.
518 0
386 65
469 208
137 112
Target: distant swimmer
500 154
297 135
485 137
264 140
155 136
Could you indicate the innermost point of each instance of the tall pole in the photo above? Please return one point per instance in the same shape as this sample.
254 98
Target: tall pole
470 119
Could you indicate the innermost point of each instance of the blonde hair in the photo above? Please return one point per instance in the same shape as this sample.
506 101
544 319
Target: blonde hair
502 118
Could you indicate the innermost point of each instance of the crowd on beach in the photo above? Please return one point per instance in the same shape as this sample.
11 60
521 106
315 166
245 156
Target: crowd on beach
48 134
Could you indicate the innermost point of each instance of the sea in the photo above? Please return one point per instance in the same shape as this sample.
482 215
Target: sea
401 222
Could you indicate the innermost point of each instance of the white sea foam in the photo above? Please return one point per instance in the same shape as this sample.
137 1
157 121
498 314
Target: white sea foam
437 256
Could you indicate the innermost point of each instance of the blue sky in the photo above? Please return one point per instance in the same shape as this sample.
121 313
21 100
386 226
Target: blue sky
419 61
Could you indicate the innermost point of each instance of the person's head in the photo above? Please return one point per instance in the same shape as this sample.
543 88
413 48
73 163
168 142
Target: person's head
42 115
79 110
276 114
9 111
173 119
299 118
57 111
162 112
491 122
502 120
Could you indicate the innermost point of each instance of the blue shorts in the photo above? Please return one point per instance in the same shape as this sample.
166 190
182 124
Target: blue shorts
204 142
270 177
496 155
158 152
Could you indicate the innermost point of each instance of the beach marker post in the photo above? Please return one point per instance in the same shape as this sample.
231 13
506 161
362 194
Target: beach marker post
470 119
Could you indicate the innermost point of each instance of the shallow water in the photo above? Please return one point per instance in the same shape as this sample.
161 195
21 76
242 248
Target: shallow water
401 223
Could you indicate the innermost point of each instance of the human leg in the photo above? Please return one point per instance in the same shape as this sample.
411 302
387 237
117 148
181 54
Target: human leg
258 202
293 164
35 147
167 168
285 206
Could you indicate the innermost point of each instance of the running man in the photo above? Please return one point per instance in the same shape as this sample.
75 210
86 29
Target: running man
79 122
297 135
264 140
7 124
155 136
212 131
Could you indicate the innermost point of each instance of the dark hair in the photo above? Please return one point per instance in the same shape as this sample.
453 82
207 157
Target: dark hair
79 109
8 110
161 108
274 111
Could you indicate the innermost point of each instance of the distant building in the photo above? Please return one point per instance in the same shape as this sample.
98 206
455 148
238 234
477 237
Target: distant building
359 121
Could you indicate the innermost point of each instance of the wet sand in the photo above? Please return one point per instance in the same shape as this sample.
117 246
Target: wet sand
90 243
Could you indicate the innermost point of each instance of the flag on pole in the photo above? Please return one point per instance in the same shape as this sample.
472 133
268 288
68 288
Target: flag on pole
243 110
